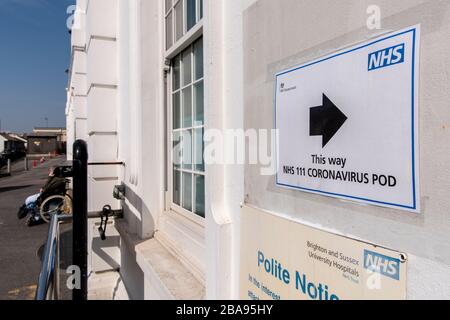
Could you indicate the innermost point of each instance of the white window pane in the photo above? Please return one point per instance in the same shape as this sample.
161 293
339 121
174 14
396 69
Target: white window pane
187 67
177 150
198 56
179 25
176 111
187 150
168 5
176 73
200 10
199 150
169 30
199 195
191 10
199 104
187 107
177 187
187 191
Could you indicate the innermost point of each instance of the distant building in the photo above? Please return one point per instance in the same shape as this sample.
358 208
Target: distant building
11 143
22 138
3 140
43 144
59 133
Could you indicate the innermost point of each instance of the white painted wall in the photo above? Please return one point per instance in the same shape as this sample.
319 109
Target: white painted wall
76 109
224 109
92 114
2 144
281 34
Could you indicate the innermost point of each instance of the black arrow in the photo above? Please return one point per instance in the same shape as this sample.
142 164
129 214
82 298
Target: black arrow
326 120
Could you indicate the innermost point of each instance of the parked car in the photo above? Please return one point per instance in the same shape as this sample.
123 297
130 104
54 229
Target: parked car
13 154
3 161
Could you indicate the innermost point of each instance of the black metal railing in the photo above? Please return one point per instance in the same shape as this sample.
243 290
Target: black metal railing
49 278
48 285
80 219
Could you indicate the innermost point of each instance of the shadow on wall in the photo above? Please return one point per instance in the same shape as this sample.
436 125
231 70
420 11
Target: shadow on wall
138 215
140 227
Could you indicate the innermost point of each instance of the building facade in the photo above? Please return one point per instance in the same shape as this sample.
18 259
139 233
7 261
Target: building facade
42 145
11 143
152 83
61 133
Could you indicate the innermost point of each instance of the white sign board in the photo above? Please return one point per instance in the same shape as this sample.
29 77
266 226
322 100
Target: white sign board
285 260
348 123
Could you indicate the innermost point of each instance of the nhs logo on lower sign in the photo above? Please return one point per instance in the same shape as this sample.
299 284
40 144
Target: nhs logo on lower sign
387 266
387 57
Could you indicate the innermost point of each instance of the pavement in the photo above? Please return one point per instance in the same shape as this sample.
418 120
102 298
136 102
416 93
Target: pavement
107 286
21 246
16 167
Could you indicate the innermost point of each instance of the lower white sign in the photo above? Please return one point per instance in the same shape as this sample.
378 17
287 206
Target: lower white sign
348 123
285 260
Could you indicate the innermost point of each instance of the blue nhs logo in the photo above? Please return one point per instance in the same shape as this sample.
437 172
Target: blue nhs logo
387 266
387 57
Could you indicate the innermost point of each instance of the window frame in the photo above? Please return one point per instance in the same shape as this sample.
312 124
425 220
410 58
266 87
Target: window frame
187 41
199 14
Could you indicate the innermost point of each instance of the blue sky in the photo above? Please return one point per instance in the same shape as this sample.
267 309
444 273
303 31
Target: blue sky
34 54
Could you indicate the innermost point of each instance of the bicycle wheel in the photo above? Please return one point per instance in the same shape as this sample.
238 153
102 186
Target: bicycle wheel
55 205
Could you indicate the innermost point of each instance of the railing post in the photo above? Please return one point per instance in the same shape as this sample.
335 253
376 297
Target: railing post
80 217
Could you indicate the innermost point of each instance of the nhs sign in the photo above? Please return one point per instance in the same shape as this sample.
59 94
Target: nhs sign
387 57
387 266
